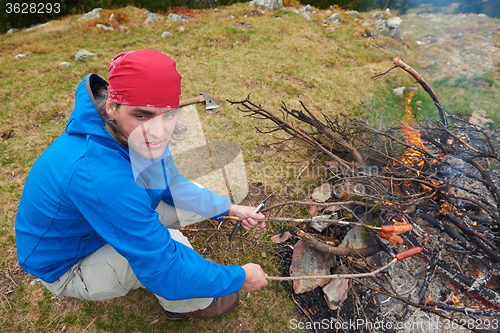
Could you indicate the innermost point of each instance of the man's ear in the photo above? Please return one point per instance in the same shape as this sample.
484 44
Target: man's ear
111 109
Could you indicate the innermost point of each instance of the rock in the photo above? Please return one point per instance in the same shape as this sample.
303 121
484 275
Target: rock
399 91
336 292
306 261
84 55
353 13
307 9
178 18
267 4
36 26
124 28
181 29
93 14
334 19
111 17
394 23
281 238
320 226
389 28
152 17
12 30
166 34
366 23
322 193
104 27
21 56
461 17
378 14
64 64
307 16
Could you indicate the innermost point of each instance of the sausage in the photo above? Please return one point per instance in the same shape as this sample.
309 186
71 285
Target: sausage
394 239
397 229
408 253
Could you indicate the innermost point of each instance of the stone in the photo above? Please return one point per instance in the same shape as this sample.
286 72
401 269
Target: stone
64 64
399 91
21 56
124 28
306 261
12 30
104 27
267 4
84 55
323 192
93 14
181 29
307 9
307 16
178 18
320 226
394 23
366 23
336 292
36 26
111 17
332 19
166 34
152 17
353 13
461 17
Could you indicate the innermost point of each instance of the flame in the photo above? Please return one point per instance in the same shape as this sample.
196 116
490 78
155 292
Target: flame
474 224
428 299
455 299
413 137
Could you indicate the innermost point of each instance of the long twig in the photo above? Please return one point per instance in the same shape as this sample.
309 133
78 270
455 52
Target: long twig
420 79
283 219
333 276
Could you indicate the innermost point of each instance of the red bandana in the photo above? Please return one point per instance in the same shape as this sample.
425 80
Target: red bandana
144 78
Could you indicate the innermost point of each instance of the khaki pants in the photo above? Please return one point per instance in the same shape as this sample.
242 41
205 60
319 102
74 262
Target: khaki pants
105 274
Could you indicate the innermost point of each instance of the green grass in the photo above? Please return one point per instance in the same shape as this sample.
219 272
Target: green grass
277 57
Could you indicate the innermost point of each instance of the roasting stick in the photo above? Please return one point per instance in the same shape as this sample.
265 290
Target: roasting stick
281 219
399 256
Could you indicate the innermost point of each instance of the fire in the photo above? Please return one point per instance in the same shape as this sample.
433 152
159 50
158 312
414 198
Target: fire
455 299
413 137
428 299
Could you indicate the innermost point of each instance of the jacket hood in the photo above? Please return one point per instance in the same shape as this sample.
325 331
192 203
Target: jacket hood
85 118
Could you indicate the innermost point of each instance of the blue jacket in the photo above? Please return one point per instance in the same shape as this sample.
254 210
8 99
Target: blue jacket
81 193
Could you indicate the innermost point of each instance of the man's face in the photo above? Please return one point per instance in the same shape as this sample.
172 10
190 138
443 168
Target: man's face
147 128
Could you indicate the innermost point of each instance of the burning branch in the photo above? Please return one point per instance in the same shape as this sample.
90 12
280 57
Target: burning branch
420 79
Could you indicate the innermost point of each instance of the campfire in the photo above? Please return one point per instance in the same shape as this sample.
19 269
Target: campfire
429 185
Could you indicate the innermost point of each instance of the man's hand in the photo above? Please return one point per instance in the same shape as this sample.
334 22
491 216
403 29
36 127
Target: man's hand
255 278
247 213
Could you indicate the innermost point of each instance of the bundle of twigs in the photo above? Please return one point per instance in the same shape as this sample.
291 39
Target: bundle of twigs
423 172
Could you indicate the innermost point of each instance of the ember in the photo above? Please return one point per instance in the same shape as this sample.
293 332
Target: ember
436 187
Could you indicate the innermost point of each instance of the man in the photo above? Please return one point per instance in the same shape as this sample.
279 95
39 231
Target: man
95 211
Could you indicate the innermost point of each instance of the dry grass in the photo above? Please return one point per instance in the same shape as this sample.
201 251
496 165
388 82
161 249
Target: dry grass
232 52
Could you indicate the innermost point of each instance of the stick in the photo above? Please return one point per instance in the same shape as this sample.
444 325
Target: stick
318 245
420 79
333 276
282 219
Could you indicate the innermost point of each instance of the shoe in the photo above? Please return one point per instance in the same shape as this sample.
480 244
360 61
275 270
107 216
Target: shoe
219 307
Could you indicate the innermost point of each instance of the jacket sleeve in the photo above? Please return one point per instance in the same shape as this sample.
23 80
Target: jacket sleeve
121 212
